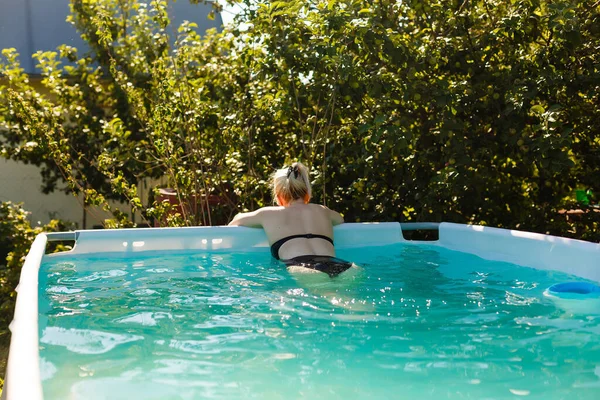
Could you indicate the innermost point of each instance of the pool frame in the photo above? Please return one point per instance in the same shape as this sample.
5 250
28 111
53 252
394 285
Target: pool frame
23 381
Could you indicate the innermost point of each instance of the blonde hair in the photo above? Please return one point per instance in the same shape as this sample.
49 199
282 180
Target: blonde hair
291 183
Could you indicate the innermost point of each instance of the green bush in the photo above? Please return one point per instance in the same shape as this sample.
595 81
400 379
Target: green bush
474 112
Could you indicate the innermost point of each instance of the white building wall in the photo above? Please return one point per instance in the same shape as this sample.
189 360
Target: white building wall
22 183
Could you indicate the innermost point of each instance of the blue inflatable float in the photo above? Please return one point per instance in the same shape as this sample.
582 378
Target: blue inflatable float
576 297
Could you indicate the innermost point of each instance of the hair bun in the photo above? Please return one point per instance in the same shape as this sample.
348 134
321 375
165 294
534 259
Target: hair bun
293 169
286 189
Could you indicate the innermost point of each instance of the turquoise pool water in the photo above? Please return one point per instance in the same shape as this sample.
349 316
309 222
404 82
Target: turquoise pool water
417 322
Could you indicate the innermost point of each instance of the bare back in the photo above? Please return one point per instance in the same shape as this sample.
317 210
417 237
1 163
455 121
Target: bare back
297 219
281 222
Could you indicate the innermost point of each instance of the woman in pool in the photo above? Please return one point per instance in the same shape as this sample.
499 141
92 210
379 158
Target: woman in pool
300 233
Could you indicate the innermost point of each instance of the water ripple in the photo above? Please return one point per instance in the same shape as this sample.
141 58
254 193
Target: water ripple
85 341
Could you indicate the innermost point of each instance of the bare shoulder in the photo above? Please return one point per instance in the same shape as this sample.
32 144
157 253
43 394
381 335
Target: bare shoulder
270 209
253 218
336 218
324 208
269 212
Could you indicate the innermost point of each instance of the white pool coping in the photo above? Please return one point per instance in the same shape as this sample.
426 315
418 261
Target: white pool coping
545 252
217 238
22 379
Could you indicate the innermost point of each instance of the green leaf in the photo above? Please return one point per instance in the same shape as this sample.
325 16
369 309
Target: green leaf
538 109
379 119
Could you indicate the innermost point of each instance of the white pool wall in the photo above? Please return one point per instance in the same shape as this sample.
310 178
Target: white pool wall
528 249
22 378
219 238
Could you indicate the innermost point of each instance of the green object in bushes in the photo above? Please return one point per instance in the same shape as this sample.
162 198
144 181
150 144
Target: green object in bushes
584 196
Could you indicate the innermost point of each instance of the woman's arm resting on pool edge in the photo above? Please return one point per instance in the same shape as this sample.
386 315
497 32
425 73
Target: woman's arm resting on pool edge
336 217
249 219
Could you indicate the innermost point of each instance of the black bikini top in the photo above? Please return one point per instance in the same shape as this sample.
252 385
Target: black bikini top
275 247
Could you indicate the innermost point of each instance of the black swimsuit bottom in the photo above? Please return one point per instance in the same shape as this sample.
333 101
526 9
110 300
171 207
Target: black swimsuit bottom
330 265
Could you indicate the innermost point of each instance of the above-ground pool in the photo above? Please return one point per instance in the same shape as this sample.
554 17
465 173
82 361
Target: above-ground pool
207 313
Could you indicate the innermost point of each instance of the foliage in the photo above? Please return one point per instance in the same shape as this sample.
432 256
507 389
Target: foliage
16 237
466 111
